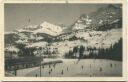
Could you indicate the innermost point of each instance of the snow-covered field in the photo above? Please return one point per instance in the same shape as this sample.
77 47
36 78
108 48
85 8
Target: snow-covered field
70 68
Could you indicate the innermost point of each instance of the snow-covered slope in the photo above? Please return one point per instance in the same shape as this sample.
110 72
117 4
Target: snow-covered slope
48 28
45 27
97 39
63 43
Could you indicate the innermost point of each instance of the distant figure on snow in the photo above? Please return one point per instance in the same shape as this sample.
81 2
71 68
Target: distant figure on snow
36 75
67 68
49 72
62 72
111 65
43 66
100 69
82 67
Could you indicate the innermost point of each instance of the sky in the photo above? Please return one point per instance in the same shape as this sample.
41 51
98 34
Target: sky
17 15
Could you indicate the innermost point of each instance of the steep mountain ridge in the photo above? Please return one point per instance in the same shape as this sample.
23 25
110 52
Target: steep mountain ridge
103 16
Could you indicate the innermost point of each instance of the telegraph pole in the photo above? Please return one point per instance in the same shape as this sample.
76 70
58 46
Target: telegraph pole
39 52
40 60
40 68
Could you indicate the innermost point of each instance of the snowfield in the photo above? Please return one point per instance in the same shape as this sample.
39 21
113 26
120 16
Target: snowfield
49 29
72 68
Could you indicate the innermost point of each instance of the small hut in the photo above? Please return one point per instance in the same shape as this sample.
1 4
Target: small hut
22 63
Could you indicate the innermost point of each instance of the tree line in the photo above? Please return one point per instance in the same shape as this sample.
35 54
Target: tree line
114 52
29 51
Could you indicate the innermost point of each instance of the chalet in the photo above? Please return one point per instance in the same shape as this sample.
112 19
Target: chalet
22 63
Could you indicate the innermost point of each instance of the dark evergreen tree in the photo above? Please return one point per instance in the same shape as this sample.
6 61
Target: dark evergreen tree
81 50
75 50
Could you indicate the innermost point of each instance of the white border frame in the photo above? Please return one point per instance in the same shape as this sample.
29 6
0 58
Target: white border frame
124 32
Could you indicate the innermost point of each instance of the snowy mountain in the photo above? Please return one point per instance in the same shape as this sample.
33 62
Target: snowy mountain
100 29
44 32
48 28
82 23
44 27
100 19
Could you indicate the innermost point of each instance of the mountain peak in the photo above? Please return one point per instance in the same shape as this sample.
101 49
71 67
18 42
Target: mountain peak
96 20
45 23
49 28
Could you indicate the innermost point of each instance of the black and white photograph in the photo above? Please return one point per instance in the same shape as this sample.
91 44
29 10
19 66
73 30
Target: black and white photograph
63 40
